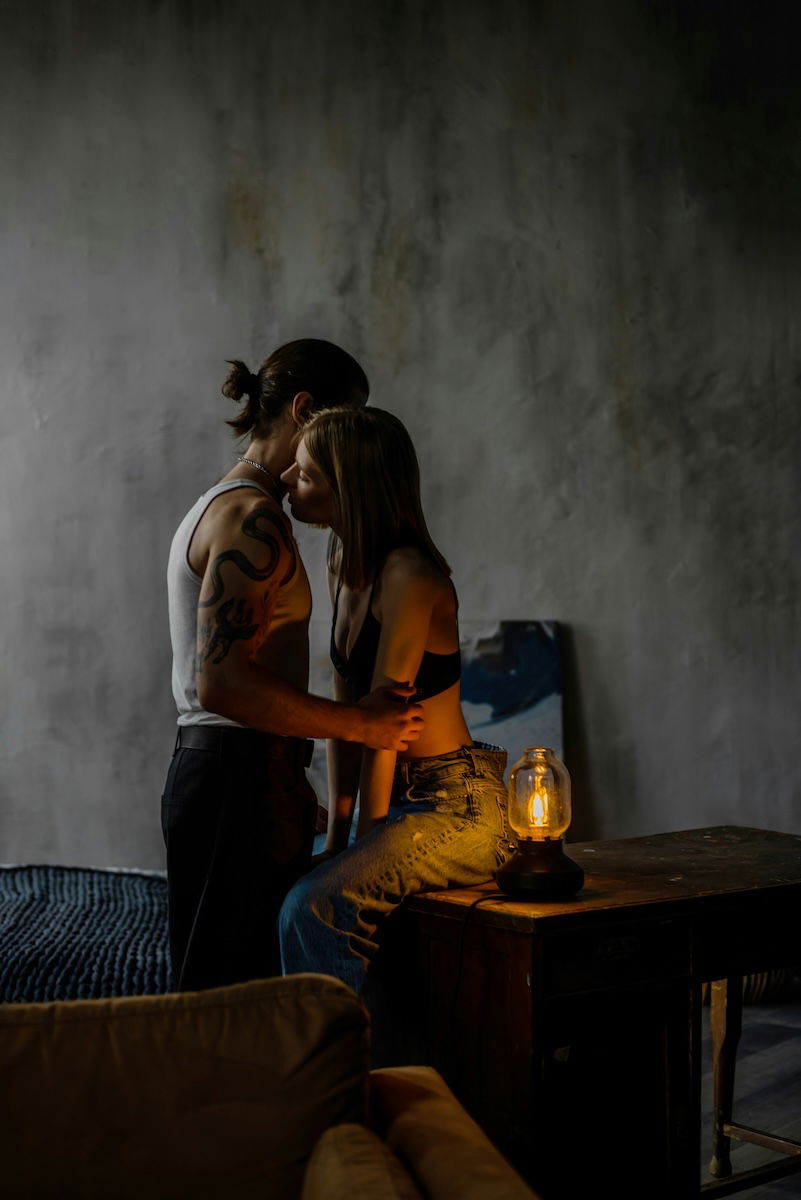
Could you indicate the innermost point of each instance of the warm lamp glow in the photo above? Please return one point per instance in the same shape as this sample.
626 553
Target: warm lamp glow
539 795
539 813
539 810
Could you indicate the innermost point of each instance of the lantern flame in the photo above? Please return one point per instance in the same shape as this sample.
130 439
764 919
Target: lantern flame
539 810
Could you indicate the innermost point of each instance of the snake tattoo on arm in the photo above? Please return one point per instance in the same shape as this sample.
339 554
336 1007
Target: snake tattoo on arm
233 621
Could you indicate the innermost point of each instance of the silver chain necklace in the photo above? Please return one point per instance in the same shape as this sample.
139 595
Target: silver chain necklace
251 463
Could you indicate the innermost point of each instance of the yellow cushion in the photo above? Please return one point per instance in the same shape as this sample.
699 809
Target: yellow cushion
205 1095
426 1126
350 1162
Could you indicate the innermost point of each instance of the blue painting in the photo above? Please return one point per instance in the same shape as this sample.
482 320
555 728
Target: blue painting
512 684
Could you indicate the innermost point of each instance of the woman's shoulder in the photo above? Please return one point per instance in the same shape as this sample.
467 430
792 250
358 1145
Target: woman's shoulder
409 566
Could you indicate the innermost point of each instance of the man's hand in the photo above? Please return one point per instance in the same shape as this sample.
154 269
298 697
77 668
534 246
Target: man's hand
394 719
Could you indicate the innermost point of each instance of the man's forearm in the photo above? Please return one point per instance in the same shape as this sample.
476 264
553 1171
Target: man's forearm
262 700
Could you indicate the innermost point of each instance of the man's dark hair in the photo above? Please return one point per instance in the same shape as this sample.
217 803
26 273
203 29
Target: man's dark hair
328 373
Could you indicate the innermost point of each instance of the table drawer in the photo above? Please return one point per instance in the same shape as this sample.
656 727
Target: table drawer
619 956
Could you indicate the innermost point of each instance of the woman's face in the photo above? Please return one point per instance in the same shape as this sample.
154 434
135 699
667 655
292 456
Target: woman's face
311 497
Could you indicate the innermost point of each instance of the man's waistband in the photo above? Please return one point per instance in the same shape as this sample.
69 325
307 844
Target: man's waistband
234 739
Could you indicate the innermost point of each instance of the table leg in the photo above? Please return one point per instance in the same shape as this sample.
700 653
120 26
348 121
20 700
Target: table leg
682 1094
726 1019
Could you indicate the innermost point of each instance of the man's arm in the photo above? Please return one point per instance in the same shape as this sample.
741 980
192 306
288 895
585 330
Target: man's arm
250 553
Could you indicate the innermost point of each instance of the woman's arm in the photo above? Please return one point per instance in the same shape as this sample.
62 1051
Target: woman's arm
375 789
344 761
409 589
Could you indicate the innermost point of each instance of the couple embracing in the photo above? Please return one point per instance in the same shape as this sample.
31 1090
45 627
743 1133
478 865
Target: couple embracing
247 900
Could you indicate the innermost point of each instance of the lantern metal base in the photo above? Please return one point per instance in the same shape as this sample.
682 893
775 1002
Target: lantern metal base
540 871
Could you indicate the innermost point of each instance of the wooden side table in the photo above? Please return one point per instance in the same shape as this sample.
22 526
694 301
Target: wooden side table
572 1031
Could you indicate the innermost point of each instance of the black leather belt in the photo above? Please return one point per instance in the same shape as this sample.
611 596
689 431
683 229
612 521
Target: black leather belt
235 739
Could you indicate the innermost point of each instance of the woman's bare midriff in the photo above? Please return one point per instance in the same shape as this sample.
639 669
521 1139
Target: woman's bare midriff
445 729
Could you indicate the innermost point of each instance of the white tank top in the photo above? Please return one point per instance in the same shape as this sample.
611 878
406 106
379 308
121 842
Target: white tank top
183 593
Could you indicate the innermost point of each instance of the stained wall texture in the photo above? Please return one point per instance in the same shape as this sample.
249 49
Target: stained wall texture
563 238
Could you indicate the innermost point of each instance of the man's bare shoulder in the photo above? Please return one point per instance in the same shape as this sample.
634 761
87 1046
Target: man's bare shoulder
232 507
241 514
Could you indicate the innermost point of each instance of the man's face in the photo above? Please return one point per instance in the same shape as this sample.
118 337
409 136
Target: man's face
311 499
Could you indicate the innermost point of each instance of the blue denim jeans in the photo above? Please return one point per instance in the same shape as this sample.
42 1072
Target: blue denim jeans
446 827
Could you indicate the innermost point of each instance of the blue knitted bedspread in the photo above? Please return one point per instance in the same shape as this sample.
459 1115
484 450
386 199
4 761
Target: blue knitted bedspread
74 933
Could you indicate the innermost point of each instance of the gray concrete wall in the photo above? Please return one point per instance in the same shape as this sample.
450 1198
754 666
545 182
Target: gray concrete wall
563 239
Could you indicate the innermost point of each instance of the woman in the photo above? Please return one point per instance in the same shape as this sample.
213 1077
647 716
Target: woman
432 816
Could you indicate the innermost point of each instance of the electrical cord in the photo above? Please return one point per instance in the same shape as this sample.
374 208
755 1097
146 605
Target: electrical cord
497 895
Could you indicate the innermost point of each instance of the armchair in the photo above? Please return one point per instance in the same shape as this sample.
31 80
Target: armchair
255 1090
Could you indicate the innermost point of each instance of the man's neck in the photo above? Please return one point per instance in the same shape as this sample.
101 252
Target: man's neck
264 460
271 453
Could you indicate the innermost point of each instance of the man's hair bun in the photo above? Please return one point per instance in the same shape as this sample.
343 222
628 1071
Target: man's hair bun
241 382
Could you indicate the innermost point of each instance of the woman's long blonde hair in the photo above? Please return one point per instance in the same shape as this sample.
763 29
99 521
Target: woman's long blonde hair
368 459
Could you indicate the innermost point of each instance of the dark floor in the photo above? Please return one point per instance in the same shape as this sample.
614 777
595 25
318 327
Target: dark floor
767 1090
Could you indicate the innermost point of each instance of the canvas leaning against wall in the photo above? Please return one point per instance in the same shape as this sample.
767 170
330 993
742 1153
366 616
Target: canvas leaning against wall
512 684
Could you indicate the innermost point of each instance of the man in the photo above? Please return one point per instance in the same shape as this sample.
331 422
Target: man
237 812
